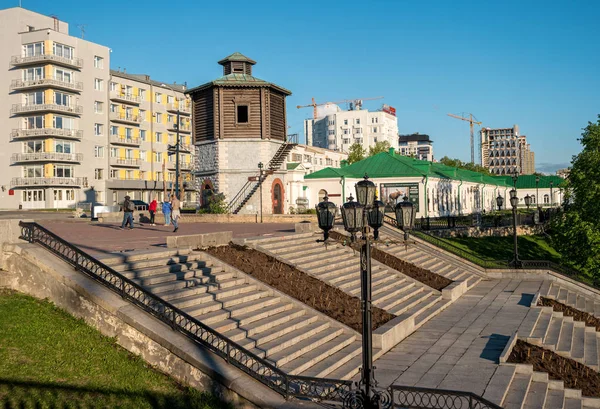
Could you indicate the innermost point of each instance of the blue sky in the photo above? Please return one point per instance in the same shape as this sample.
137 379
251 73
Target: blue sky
528 62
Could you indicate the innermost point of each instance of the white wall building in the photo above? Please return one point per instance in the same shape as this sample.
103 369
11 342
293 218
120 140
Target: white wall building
337 129
417 146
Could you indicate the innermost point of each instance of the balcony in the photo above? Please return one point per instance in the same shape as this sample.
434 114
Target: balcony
125 162
123 97
128 119
24 182
18 85
185 166
18 60
186 148
30 108
182 128
47 157
185 110
120 140
17 134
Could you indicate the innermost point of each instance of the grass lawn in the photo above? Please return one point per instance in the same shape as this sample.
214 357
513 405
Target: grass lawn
501 248
50 359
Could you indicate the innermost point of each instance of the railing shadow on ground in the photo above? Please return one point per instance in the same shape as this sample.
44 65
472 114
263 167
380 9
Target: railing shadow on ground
316 389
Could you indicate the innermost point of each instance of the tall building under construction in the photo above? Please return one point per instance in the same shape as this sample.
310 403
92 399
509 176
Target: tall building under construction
504 151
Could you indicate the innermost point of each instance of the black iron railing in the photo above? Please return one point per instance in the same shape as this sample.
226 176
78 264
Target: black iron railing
258 368
425 398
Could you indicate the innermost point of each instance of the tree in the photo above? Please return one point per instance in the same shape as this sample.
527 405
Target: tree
576 232
457 163
356 154
379 147
217 204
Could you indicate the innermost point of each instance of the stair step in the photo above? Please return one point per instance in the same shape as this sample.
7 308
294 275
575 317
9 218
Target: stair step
161 288
329 268
409 303
555 398
499 384
206 305
436 306
562 295
322 352
112 259
329 275
573 403
215 294
591 349
198 260
580 304
517 391
208 286
391 294
578 347
536 397
571 298
545 288
542 324
292 338
553 333
166 277
553 292
238 334
334 361
403 300
259 325
247 311
347 370
565 342
307 260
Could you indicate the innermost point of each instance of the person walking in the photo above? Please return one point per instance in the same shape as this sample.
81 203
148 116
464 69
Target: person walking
152 210
166 209
128 207
176 212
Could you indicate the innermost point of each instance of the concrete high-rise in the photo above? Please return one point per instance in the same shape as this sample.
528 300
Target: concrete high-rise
416 145
504 151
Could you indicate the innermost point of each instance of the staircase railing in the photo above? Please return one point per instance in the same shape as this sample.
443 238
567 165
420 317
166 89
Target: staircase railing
241 194
320 389
489 263
258 368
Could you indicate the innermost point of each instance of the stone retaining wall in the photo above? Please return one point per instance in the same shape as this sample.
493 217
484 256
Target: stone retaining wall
142 216
486 231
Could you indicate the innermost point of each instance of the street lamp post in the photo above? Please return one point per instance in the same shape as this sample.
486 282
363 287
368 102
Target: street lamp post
551 195
537 192
514 201
405 216
527 201
499 202
358 217
260 170
177 156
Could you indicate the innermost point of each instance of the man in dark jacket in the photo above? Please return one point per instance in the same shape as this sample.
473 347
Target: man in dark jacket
127 213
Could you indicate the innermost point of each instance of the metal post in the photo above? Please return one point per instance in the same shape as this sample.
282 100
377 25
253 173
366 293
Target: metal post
260 186
367 378
516 261
177 158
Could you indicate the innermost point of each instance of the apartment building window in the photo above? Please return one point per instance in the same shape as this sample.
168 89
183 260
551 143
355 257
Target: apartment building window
36 171
63 171
307 158
345 132
32 74
328 162
157 97
62 50
114 152
128 133
170 99
63 75
60 98
114 130
142 175
114 108
98 107
98 174
63 147
345 122
170 119
98 151
331 132
34 98
128 153
357 121
158 157
296 157
158 137
127 90
320 161
374 129
142 94
33 146
158 117
129 174
34 195
346 141
143 114
143 156
331 123
113 86
61 122
98 129
99 196
114 173
374 120
98 62
33 49
159 175
143 134
98 84
35 122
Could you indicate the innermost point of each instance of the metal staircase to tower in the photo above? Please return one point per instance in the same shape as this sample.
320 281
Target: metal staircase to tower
251 186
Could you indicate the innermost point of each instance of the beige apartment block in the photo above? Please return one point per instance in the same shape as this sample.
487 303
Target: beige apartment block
505 152
143 116
53 88
76 131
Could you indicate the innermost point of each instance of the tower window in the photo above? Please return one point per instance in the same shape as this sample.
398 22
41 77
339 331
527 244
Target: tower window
242 114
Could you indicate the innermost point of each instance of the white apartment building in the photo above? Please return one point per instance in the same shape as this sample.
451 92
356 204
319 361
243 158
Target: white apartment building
75 131
416 145
337 129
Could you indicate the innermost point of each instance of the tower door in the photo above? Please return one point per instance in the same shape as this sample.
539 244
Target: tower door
277 198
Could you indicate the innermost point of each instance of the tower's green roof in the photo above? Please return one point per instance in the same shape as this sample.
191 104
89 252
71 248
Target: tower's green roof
237 57
528 181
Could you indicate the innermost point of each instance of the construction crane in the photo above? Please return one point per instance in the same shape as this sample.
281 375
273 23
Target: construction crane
354 102
471 120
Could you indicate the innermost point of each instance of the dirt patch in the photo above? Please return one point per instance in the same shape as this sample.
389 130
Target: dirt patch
315 293
572 373
427 277
568 311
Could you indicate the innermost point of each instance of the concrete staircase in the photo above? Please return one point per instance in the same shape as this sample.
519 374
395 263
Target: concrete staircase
572 298
429 258
518 386
290 335
339 266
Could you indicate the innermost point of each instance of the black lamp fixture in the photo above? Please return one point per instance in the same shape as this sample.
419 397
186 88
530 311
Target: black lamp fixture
515 177
357 217
405 216
551 194
537 191
527 199
326 215
514 201
499 202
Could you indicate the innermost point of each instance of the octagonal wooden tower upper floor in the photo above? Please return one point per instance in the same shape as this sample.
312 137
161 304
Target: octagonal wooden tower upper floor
238 105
